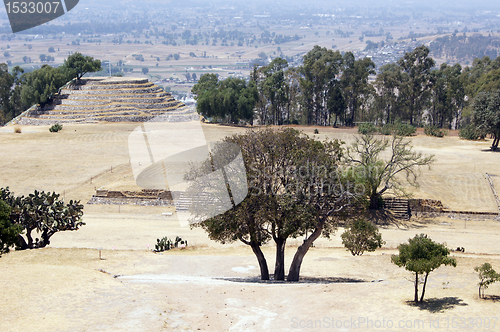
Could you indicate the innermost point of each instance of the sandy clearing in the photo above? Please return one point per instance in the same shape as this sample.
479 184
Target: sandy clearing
62 288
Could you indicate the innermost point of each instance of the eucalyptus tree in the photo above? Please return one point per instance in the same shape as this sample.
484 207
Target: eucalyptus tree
319 73
388 101
486 115
416 81
274 89
354 81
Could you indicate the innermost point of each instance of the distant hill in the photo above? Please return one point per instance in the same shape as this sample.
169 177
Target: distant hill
464 48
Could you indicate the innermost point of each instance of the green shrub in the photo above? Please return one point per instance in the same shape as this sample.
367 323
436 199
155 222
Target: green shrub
55 128
361 236
316 131
387 129
470 132
403 129
434 131
367 128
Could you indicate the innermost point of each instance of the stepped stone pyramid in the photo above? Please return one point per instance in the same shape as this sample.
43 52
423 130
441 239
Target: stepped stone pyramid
110 99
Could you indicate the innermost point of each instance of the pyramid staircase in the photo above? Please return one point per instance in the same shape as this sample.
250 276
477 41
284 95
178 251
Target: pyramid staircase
110 99
399 207
185 200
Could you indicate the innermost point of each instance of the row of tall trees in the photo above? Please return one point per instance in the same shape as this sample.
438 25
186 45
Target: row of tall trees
19 90
335 88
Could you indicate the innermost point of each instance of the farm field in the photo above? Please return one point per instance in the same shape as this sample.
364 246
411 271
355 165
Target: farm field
213 287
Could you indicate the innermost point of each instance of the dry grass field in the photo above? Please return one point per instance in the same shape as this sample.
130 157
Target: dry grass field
213 287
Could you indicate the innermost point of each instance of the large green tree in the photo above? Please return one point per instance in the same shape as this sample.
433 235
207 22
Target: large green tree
486 115
416 85
79 64
10 91
387 100
229 100
421 256
294 190
354 82
319 73
39 85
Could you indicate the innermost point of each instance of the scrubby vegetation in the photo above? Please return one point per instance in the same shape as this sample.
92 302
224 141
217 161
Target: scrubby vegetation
434 131
55 128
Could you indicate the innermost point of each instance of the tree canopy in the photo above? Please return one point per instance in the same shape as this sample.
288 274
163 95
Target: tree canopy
44 213
230 100
295 189
79 64
361 236
421 255
487 276
486 115
8 232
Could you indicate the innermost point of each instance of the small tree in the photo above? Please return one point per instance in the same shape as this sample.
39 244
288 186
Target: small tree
361 236
145 70
487 276
8 231
421 255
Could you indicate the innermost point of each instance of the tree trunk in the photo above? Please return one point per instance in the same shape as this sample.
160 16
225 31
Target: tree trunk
264 271
423 288
30 239
279 267
415 299
494 145
480 292
294 273
374 201
22 243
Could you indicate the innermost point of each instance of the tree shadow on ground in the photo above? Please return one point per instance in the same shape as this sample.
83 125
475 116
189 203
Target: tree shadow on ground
435 305
384 217
490 150
303 280
492 298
